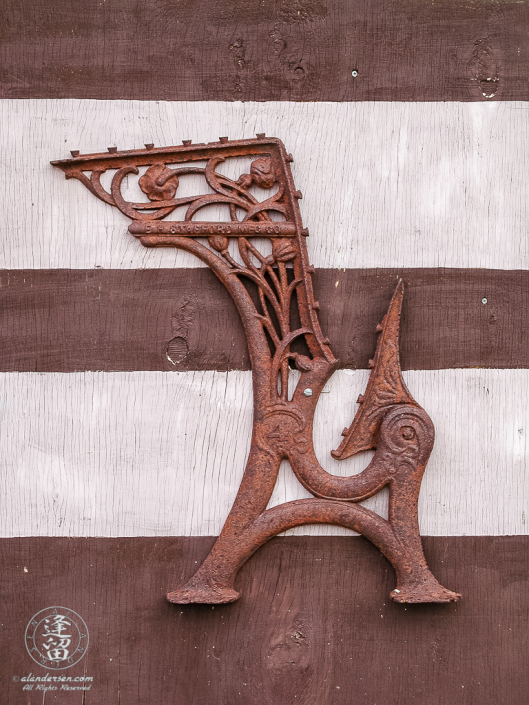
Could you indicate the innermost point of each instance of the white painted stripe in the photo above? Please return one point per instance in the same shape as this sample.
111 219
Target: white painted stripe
160 454
384 184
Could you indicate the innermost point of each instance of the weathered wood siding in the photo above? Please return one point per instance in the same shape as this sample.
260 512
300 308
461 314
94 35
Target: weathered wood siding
162 454
304 50
314 624
125 394
67 320
384 184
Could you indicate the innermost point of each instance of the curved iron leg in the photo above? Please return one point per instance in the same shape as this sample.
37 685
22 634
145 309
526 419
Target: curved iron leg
407 436
405 445
311 511
213 582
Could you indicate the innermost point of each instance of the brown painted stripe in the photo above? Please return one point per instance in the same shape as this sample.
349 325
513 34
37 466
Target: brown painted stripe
314 624
403 50
123 320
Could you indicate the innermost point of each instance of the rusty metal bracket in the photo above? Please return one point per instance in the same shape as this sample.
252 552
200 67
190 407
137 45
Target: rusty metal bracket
274 296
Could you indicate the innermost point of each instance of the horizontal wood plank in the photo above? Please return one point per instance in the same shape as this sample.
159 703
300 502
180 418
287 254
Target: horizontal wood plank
183 319
305 51
314 624
384 184
162 454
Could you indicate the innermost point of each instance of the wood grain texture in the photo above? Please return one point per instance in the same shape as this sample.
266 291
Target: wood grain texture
162 454
314 624
304 50
183 319
384 184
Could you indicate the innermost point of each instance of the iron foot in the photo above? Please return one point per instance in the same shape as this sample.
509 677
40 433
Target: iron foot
202 592
429 591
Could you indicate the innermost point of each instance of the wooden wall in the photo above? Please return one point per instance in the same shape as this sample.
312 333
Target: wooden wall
125 391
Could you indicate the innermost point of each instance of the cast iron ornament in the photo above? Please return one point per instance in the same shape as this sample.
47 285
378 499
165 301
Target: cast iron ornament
274 296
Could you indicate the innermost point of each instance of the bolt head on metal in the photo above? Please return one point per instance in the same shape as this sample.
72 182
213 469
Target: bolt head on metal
354 73
483 300
308 392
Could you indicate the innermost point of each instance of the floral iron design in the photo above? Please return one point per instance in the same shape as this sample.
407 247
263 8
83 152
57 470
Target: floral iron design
274 296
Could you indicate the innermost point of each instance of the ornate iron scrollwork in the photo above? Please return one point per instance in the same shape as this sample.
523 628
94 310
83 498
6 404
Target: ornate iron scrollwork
273 293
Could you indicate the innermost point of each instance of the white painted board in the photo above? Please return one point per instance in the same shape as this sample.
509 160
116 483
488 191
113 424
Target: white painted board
384 184
162 454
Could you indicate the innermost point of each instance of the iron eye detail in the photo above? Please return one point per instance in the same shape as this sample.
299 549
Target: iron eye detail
408 433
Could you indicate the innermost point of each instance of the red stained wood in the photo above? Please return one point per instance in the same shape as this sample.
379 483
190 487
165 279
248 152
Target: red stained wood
121 320
314 624
305 50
